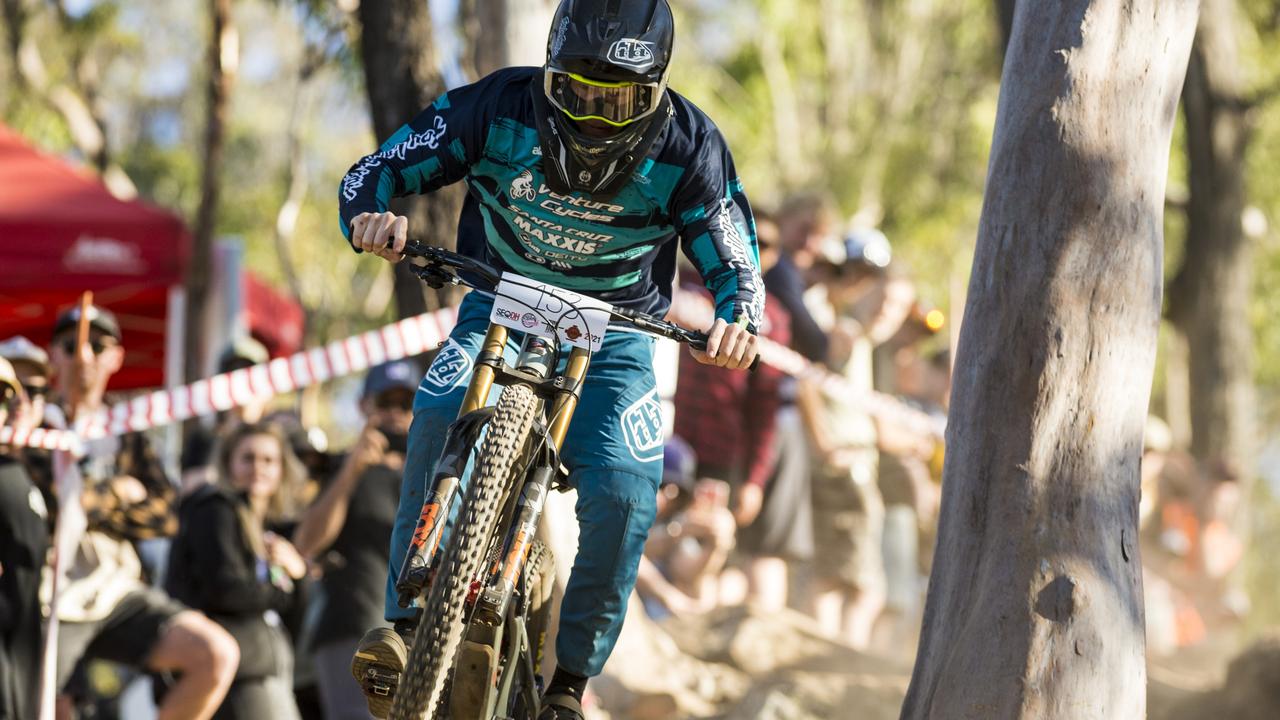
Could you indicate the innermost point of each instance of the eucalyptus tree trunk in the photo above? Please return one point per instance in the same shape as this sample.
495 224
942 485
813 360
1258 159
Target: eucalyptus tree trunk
222 58
484 23
402 77
1210 297
1035 601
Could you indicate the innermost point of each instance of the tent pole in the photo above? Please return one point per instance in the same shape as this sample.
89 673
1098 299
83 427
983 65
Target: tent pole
174 364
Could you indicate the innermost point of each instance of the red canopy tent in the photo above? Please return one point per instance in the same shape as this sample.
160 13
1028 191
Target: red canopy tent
61 233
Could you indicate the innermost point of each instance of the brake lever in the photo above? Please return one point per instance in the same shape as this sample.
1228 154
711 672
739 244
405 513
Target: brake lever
434 277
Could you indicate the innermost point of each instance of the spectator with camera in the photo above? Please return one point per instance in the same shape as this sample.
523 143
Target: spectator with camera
347 531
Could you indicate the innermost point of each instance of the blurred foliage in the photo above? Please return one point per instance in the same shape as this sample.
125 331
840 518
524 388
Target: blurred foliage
888 104
152 60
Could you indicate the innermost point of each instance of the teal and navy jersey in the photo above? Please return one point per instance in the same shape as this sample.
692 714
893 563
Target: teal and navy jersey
619 250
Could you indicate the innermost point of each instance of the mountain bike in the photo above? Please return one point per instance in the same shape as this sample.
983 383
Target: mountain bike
478 644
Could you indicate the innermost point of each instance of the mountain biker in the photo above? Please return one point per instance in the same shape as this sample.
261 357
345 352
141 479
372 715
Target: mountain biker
581 174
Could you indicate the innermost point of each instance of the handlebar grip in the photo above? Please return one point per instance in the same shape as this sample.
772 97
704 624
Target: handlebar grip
698 341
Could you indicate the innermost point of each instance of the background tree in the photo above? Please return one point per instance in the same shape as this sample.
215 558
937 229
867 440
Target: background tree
1035 603
72 92
402 77
223 58
1211 295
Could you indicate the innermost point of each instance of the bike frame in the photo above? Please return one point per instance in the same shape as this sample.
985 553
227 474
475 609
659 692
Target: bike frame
495 620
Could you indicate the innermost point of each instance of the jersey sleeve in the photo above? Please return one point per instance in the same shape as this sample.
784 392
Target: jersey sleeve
435 149
717 233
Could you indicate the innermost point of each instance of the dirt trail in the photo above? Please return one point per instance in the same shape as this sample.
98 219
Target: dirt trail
740 664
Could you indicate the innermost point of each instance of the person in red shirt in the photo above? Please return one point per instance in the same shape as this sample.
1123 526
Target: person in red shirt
728 418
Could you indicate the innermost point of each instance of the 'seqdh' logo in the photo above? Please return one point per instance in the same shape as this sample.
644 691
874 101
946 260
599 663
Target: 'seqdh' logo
522 187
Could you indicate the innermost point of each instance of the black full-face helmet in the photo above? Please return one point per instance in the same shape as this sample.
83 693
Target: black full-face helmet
603 100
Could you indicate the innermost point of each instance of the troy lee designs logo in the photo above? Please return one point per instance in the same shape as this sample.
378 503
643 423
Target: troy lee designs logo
632 53
522 187
429 138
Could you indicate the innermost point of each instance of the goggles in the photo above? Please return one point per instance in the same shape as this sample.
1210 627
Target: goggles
615 103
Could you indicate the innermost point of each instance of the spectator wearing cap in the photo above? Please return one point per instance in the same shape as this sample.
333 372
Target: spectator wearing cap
347 531
31 367
198 447
858 303
24 543
104 608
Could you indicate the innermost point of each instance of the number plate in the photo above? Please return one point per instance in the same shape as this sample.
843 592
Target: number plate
548 311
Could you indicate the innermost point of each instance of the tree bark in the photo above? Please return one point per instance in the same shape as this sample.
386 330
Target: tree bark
402 77
224 48
1035 601
484 24
1210 297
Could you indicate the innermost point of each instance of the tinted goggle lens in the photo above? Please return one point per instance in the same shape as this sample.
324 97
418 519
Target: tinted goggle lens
584 99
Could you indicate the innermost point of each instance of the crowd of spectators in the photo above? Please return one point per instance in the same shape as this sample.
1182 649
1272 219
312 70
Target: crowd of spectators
801 493
798 492
244 580
235 587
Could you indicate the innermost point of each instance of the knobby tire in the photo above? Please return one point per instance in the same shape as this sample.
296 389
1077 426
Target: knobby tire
443 622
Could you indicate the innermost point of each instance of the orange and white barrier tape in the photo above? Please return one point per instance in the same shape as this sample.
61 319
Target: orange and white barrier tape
693 310
397 340
407 337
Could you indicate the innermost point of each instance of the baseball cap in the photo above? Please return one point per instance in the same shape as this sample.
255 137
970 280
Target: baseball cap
867 248
18 349
100 319
243 351
679 463
391 375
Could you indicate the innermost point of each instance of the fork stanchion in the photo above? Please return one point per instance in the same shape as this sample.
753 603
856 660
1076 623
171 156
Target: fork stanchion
567 402
495 341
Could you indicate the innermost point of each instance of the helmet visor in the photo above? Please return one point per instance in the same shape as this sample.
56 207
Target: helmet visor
615 103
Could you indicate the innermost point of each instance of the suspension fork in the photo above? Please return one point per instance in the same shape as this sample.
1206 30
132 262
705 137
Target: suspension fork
415 570
425 541
493 601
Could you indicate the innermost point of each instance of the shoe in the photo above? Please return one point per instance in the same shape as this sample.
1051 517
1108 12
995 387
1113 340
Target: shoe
560 706
377 665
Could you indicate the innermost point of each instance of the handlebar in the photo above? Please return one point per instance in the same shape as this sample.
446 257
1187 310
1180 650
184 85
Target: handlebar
444 267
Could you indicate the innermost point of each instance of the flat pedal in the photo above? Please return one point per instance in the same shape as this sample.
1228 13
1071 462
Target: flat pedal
377 681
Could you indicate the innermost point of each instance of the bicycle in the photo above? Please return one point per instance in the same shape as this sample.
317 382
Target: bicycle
475 652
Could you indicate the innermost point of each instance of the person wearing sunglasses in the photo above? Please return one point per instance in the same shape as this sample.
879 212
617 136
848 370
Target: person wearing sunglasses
106 609
347 532
31 366
24 543
591 174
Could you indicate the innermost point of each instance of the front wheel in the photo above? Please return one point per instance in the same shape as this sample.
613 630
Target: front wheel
438 635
